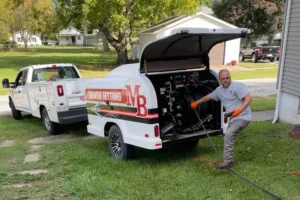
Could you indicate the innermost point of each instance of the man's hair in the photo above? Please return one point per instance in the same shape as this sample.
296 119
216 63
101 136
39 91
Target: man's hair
224 70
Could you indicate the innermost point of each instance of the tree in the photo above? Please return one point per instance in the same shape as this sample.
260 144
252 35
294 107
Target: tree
32 17
5 19
119 19
264 17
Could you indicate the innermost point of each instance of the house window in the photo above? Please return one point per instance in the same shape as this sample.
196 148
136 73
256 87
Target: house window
33 40
79 38
19 39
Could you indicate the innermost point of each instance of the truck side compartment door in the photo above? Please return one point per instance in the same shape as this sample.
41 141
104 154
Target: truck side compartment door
20 95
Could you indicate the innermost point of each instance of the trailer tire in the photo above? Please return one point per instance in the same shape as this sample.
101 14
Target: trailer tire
116 145
51 127
15 113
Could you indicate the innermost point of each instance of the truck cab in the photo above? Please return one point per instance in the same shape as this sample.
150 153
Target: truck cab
53 92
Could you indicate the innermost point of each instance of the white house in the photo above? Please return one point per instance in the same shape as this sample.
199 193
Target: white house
288 81
70 36
221 54
33 40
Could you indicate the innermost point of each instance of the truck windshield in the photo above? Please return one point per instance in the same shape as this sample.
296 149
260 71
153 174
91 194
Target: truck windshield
52 74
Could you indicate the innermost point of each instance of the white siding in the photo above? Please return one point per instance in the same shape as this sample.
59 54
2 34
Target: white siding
34 40
291 67
144 39
232 51
289 109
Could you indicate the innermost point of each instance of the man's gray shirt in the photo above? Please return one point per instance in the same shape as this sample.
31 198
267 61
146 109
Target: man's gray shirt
231 98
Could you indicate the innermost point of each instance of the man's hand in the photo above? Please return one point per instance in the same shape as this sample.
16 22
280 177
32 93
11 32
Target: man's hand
194 104
236 112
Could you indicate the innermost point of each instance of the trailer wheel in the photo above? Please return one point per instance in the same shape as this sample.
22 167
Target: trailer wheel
117 147
51 127
15 113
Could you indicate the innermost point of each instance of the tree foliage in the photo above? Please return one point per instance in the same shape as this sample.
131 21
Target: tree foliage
264 17
119 19
32 17
6 20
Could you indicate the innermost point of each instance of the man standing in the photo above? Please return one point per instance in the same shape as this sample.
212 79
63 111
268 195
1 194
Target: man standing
235 98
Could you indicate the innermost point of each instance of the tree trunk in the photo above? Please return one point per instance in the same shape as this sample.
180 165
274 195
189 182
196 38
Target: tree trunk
120 44
25 45
104 42
122 56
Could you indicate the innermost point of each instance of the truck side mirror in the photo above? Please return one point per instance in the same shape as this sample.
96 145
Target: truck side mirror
5 83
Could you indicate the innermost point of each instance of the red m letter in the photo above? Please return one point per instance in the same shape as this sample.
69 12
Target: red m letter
132 97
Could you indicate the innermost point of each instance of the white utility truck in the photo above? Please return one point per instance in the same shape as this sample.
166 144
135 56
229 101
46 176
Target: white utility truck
53 92
147 104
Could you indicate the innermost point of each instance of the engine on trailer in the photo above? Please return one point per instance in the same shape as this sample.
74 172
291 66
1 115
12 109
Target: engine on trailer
176 95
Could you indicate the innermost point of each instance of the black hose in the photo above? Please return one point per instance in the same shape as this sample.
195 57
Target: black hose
233 172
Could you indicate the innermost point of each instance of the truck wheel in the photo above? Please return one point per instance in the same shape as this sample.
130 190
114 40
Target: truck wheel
254 58
117 147
15 113
241 58
272 59
51 127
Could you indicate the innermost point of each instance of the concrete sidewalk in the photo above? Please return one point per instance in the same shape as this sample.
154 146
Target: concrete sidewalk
4 106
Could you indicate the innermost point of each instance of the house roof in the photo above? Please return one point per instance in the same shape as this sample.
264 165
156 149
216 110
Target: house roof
175 20
65 32
163 24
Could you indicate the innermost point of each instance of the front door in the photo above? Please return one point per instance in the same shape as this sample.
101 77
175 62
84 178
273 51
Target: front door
20 97
73 40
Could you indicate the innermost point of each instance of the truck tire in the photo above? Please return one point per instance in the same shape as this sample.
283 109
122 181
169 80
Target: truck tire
116 145
51 127
273 59
15 113
254 58
241 58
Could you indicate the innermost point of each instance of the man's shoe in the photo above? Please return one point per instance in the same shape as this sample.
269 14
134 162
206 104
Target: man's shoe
225 165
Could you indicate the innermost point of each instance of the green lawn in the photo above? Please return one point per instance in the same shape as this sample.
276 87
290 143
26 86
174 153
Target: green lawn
91 62
263 103
259 64
253 74
84 169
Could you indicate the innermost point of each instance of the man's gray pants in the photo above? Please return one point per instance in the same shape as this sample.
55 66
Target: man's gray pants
233 129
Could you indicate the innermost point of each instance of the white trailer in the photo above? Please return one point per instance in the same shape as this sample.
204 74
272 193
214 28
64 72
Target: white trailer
147 104
53 92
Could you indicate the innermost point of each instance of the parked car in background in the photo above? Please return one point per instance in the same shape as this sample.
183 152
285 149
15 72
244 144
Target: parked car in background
259 50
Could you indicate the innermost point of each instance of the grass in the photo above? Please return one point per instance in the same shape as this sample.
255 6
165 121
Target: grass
259 64
84 169
93 62
263 103
254 74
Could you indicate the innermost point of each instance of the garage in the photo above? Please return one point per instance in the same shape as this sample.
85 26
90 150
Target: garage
216 54
221 54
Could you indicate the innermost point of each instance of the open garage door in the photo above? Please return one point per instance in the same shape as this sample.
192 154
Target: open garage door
216 54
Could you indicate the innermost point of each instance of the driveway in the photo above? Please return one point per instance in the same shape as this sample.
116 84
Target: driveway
261 87
4 107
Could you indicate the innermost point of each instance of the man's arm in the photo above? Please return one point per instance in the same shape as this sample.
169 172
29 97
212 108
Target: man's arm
247 100
203 99
194 104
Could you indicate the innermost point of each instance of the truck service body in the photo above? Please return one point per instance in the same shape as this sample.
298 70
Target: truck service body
147 104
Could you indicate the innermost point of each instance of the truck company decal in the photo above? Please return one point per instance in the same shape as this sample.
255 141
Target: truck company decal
134 109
